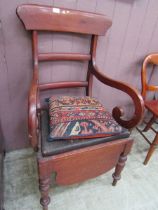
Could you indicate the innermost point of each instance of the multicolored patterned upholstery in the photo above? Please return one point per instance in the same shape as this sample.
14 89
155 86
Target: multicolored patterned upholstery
80 117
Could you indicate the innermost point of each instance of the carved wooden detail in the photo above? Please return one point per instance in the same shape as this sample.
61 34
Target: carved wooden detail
44 184
119 167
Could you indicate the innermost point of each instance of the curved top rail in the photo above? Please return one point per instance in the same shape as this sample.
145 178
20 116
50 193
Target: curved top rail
39 17
152 59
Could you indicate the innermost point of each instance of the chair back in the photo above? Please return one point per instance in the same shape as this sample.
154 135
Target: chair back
150 59
46 18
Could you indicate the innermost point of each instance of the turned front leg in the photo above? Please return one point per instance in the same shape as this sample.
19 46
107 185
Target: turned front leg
44 184
119 167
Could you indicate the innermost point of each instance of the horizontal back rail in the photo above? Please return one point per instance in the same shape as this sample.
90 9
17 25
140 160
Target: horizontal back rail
153 58
38 17
152 88
63 56
64 84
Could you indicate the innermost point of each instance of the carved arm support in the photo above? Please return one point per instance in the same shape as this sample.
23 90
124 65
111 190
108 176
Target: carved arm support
136 98
32 113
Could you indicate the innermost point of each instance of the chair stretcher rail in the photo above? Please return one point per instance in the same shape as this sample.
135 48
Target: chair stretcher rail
63 56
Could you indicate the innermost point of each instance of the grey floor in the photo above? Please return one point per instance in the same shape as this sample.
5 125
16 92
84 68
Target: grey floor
137 190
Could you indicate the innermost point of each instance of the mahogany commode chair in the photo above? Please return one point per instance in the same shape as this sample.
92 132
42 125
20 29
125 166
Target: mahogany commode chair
150 104
76 155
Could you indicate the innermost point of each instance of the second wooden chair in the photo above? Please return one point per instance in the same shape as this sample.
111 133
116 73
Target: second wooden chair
151 105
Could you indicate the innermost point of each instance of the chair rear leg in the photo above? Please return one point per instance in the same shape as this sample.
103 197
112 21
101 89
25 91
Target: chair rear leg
119 167
151 150
44 184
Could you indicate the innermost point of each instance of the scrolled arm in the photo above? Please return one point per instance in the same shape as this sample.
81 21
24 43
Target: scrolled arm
32 114
133 93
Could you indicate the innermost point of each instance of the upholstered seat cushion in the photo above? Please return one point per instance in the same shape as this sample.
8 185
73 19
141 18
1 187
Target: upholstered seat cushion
60 146
80 118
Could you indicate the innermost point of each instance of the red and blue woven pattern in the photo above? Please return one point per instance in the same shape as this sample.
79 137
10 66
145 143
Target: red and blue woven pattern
80 117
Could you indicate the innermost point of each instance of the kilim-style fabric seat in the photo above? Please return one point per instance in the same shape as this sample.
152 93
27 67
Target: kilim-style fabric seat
59 146
54 142
80 117
75 137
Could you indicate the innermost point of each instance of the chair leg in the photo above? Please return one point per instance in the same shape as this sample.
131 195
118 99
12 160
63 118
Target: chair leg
151 150
119 167
44 184
149 124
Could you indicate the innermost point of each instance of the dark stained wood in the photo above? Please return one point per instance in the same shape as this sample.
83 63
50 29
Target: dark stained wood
145 138
150 105
121 163
35 64
93 161
119 167
117 112
63 56
32 115
33 99
38 17
57 85
149 124
153 129
150 59
35 51
133 93
152 88
79 164
152 148
44 184
89 72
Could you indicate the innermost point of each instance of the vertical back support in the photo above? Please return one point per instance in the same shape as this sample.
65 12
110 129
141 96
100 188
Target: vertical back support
46 18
